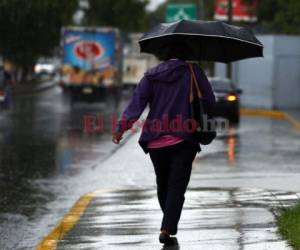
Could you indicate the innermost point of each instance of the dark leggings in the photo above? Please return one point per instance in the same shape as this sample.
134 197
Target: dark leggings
172 165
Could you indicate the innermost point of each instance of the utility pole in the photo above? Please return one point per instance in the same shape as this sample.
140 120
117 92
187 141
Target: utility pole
201 9
197 4
229 14
229 11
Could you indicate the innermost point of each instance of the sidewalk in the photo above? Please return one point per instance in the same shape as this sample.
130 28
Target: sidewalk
212 219
216 215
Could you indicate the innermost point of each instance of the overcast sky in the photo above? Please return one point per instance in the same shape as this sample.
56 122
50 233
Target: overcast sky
154 3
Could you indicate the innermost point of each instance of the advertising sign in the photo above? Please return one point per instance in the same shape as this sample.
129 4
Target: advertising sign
240 11
89 50
90 55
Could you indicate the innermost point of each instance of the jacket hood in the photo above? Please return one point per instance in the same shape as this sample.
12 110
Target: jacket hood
168 71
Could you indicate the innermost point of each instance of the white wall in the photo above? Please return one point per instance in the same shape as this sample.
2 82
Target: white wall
272 81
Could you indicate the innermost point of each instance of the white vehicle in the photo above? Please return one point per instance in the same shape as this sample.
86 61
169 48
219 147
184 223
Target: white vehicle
46 66
135 64
134 69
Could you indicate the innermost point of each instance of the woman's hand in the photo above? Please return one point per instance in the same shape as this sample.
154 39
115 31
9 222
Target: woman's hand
117 137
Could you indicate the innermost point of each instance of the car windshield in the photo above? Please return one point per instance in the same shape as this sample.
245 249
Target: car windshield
221 85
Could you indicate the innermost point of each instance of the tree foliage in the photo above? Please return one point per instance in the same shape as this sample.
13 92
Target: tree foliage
279 16
31 28
128 15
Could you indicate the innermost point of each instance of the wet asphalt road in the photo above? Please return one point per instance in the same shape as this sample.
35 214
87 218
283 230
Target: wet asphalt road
48 161
43 147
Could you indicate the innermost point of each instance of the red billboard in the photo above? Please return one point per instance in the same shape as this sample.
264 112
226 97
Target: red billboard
240 10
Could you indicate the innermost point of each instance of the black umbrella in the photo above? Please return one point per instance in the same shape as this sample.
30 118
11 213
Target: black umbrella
201 40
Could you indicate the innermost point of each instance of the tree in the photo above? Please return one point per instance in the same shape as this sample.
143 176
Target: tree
278 16
31 28
287 17
128 15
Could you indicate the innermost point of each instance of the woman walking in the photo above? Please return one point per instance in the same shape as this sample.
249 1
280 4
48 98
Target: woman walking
166 135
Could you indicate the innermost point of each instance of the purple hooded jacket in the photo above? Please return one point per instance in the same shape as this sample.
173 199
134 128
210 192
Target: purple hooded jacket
166 89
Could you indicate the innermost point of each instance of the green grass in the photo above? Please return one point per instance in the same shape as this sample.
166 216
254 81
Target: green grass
289 225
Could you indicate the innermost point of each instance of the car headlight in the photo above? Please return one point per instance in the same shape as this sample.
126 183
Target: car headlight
231 98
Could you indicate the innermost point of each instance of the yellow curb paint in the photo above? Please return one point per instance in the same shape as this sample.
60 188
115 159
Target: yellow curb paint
263 112
68 221
281 115
294 122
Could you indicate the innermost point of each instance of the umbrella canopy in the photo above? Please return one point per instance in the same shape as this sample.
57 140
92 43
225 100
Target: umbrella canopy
201 40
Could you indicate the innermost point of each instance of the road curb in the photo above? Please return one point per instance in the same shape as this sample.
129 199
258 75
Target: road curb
275 114
69 220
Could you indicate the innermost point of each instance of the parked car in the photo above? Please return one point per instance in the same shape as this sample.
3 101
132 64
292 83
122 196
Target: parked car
6 81
2 87
227 99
